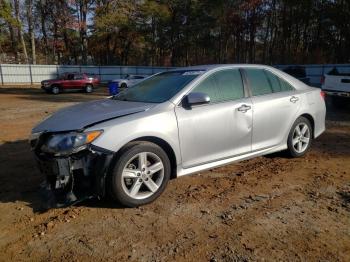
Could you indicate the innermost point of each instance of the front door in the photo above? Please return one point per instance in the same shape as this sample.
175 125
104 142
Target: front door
68 83
220 129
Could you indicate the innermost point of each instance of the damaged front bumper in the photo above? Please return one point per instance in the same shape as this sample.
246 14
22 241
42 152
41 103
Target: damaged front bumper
73 178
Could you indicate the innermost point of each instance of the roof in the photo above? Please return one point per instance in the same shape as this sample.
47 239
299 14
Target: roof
214 66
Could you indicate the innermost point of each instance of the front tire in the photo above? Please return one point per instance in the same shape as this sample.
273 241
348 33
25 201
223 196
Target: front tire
300 137
55 90
123 85
89 88
140 174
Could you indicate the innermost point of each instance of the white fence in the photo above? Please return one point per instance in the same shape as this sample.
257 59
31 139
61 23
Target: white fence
32 74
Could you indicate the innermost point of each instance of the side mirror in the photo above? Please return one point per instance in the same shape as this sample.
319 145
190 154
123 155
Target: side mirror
193 99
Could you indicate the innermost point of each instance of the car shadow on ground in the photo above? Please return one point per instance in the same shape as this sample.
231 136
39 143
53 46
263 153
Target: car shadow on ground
20 179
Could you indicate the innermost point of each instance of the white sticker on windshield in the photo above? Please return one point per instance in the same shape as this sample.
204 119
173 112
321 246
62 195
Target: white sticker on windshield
189 73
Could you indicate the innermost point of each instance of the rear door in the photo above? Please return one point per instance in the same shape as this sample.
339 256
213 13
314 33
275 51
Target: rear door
220 129
275 105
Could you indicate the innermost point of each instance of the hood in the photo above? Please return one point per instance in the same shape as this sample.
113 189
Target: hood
85 114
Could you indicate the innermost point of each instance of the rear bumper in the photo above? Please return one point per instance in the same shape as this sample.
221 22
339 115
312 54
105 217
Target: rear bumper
337 93
74 178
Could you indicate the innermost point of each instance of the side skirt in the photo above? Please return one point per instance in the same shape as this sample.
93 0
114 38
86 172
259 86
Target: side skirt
191 170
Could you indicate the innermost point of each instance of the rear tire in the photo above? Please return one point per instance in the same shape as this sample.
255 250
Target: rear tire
55 90
123 85
89 88
140 174
300 137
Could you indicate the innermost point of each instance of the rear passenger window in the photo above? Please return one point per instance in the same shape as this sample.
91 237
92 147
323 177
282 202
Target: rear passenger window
70 76
277 84
285 86
264 82
258 82
274 81
78 77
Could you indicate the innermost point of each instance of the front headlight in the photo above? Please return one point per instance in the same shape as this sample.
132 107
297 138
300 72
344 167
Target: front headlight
34 136
33 139
67 143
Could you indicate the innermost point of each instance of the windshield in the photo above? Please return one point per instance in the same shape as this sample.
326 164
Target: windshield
158 88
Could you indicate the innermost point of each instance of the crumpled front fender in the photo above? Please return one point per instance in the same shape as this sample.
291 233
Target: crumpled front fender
74 178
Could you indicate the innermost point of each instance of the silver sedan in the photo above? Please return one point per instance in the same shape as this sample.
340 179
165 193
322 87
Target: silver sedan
174 124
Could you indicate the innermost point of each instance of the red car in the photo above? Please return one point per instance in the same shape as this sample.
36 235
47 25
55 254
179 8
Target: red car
71 81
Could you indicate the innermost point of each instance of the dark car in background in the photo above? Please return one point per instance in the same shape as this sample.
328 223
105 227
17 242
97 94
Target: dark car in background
71 81
298 72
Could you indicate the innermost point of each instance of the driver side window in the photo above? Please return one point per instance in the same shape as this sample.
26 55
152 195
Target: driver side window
221 86
209 87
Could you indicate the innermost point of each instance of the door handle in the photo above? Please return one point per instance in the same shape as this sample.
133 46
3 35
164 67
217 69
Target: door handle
293 99
244 108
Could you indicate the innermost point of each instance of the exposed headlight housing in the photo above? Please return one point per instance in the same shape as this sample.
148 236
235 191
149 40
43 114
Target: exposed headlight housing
33 139
68 143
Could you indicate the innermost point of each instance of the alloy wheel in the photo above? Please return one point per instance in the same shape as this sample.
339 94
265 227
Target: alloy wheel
88 89
142 175
301 137
55 90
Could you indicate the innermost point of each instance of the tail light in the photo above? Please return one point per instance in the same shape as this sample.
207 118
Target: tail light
323 94
322 80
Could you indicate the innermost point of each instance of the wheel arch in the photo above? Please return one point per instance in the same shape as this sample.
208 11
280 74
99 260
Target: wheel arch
123 83
312 122
162 144
56 84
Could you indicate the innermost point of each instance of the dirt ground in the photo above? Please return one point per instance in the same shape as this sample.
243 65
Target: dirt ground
266 209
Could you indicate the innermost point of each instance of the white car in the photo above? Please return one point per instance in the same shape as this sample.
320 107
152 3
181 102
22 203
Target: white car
129 80
173 124
337 86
